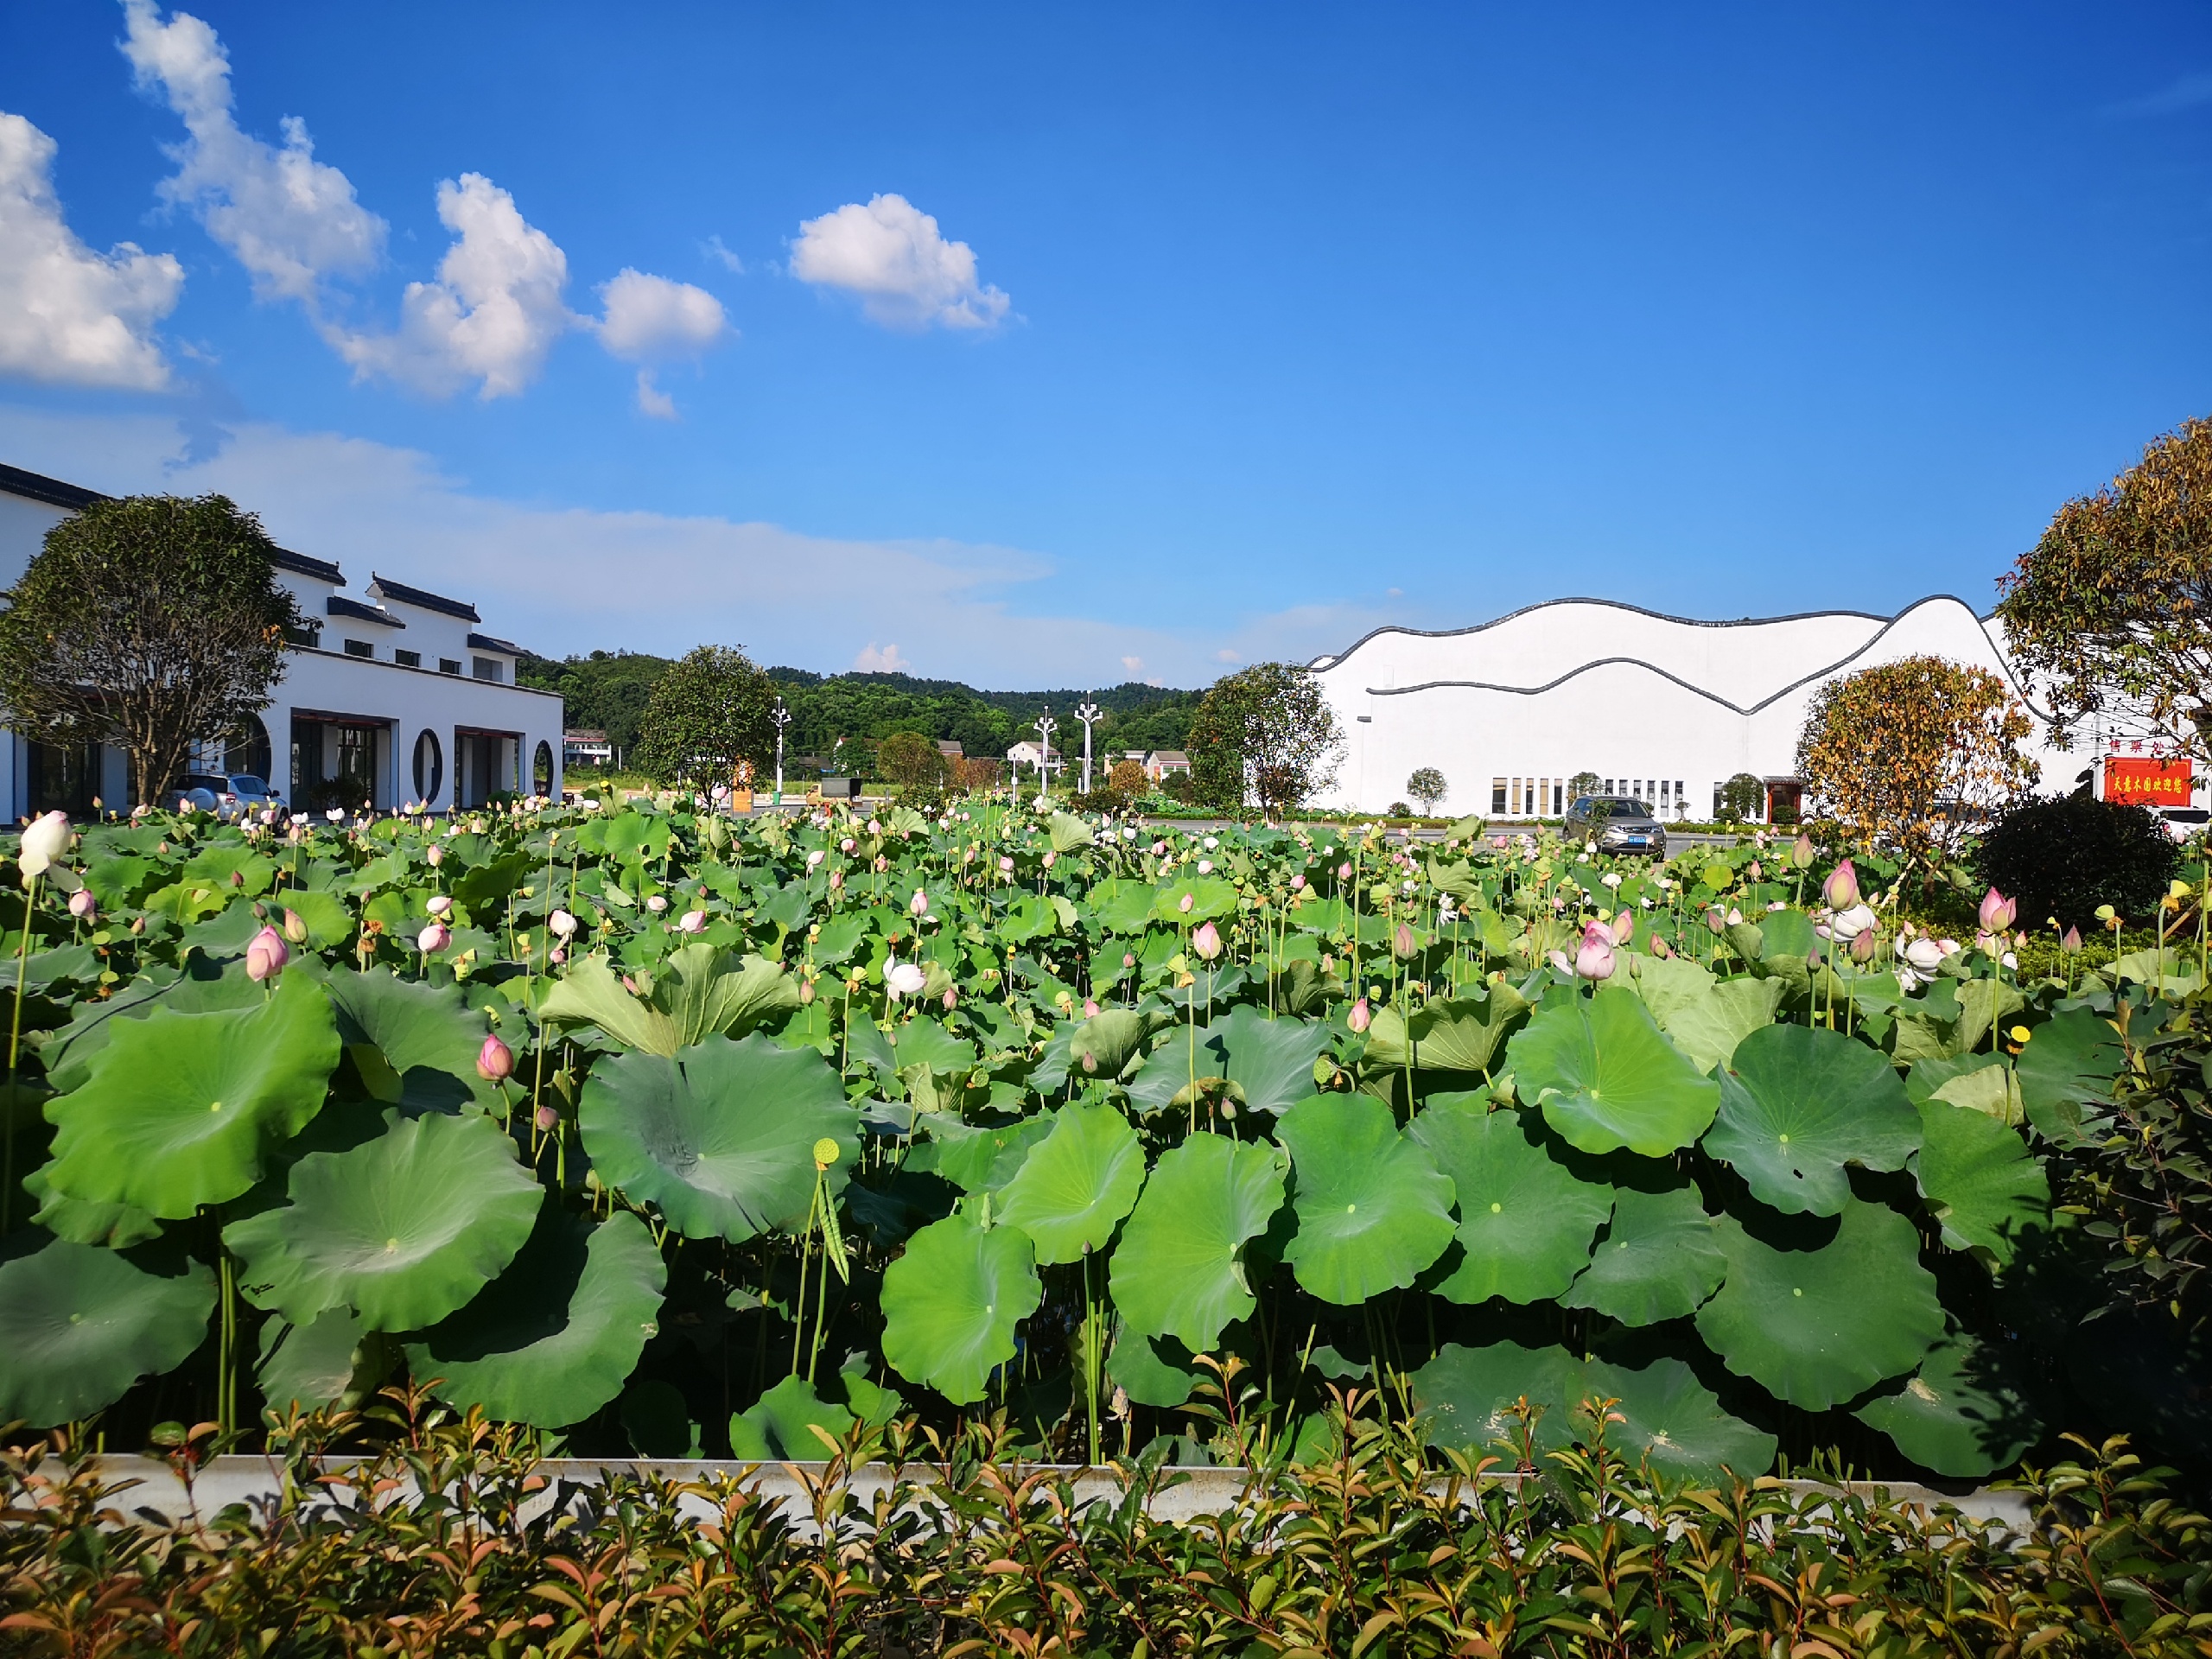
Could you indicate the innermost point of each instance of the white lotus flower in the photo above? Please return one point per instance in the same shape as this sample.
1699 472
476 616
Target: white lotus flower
1847 925
692 921
1924 956
45 838
903 978
561 922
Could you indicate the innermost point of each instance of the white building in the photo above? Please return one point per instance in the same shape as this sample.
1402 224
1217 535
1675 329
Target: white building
1656 706
392 696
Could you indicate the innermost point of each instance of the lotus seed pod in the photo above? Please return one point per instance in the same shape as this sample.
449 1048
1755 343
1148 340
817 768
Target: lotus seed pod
825 1152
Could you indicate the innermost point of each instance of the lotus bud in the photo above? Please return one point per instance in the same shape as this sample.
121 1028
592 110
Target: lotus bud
837 880
556 956
2072 942
439 904
1343 871
805 992
1595 960
433 938
495 1061
1402 943
1049 859
1862 946
1660 948
561 922
815 858
951 999
45 838
691 921
1713 919
1735 917
1298 884
265 956
1624 927
1360 1017
918 906
1207 941
1129 959
1801 852
1186 903
657 903
1840 890
546 1117
1997 911
1753 871
436 855
81 905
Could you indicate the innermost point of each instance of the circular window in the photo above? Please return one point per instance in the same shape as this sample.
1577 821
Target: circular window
541 769
430 766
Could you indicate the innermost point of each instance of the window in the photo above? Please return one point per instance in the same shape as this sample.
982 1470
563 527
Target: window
408 659
1497 797
307 637
359 648
447 666
1517 797
1609 786
487 668
1559 799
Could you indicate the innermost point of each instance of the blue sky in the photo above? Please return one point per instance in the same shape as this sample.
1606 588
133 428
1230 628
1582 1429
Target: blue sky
1040 344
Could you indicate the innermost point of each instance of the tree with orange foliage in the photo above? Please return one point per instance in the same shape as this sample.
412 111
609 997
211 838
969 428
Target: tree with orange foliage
1912 755
2112 609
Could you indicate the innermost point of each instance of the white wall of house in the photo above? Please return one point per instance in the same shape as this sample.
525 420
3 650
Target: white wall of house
1642 700
366 718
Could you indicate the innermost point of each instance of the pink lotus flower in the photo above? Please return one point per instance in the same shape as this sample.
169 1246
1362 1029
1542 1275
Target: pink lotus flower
433 938
1090 1009
1343 871
1402 943
846 844
1049 859
546 1117
561 922
951 999
1129 959
1360 1017
1714 920
1735 917
81 905
1006 865
691 921
265 956
1660 948
1298 884
1187 900
1207 940
1840 890
495 1061
2072 941
837 880
1862 946
439 904
1623 928
919 904
1594 961
657 903
1998 911
436 854
556 956
815 858
1801 853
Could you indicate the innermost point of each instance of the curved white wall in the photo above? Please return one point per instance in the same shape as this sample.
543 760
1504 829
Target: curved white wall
1580 684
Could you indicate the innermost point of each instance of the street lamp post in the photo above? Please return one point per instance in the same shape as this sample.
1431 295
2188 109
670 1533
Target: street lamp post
1046 727
1086 712
782 716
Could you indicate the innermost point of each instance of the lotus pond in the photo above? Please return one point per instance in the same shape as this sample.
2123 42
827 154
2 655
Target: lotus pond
666 1131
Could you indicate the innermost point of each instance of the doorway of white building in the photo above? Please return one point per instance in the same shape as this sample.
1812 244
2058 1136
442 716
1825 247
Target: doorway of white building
484 764
339 760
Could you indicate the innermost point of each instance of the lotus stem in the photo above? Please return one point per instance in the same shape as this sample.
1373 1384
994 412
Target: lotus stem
15 1054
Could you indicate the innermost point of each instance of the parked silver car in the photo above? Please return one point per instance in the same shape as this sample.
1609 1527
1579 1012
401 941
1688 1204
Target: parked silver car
1618 824
228 795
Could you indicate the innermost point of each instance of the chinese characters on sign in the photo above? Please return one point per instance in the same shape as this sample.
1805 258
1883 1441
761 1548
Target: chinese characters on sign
2146 782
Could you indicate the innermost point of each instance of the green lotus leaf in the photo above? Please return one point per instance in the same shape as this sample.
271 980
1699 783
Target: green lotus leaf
1675 1425
1798 1103
705 992
721 1136
1151 1371
83 1324
414 1044
783 1423
403 1229
1113 1039
1468 1397
1659 1259
551 1339
180 1109
1962 1414
977 1158
1069 832
1525 1220
1704 1017
336 1361
1211 898
1461 1034
1076 1184
1268 1064
1179 1269
2067 1067
591 993
328 918
951 1303
923 1041
112 1226
1372 1210
1606 1079
1982 1184
1787 933
1814 1327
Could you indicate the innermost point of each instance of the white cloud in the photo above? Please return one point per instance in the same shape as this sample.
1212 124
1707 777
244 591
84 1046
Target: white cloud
886 661
563 579
290 221
714 250
1225 654
1133 664
651 400
491 316
907 274
651 318
69 315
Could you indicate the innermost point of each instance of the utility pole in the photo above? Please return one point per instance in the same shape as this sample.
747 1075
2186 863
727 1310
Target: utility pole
782 716
1086 712
1046 727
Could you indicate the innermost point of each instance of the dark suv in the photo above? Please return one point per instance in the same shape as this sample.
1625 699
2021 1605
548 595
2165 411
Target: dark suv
1618 824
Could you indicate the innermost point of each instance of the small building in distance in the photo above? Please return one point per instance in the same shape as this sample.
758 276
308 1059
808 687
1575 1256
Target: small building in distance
581 747
390 697
1161 764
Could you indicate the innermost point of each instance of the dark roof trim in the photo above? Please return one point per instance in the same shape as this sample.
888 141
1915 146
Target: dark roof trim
1835 667
1337 658
385 587
338 604
36 487
486 642
301 565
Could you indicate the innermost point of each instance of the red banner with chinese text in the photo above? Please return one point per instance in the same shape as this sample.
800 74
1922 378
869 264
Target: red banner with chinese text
2141 782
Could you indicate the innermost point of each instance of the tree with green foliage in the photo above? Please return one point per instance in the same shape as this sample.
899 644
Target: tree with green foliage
147 624
1583 783
606 691
709 712
2112 609
1427 786
1742 799
1269 729
910 758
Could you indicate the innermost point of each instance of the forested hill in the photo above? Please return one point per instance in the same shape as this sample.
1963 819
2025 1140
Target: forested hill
608 691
